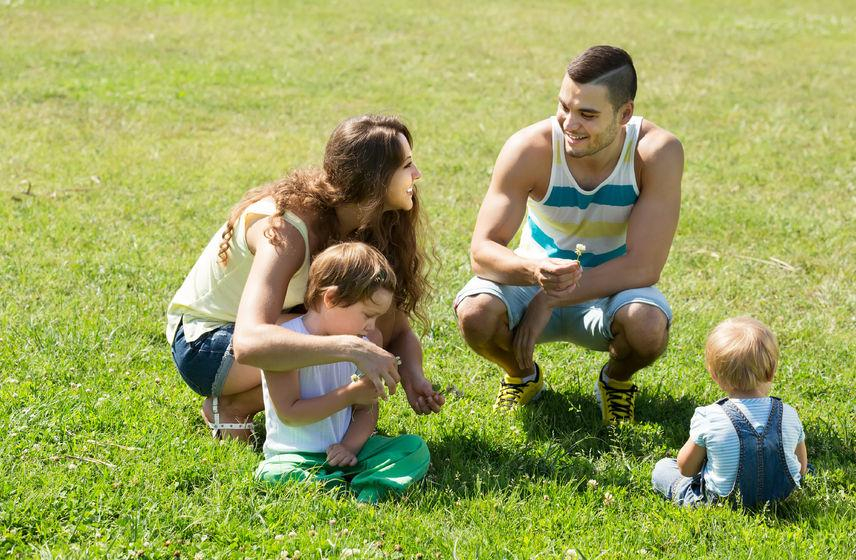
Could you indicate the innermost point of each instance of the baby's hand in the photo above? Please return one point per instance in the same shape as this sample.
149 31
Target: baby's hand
338 455
362 391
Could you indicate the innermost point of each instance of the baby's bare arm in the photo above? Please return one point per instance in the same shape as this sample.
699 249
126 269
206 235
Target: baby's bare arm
691 458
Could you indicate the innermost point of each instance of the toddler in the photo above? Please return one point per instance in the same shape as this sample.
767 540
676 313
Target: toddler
320 419
748 442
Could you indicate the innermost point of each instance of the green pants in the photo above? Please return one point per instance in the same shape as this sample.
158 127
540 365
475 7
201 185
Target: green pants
384 465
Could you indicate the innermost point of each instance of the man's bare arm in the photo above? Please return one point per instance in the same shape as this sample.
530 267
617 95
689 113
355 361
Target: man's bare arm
518 170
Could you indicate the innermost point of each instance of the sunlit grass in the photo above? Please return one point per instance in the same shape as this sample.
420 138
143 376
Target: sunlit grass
127 130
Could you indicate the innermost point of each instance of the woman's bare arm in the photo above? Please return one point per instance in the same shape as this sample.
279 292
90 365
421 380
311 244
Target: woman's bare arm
259 341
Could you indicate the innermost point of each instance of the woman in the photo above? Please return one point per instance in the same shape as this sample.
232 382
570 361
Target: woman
224 322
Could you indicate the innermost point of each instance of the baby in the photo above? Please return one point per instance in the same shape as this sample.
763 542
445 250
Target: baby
749 442
320 419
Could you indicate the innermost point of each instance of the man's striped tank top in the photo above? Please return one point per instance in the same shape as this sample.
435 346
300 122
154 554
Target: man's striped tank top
568 215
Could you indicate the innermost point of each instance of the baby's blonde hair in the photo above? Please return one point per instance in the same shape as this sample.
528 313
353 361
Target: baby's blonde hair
742 352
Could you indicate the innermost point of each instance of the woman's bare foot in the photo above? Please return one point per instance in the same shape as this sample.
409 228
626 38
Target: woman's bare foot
228 415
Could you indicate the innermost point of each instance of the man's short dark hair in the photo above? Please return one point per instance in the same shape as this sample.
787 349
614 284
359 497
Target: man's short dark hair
607 66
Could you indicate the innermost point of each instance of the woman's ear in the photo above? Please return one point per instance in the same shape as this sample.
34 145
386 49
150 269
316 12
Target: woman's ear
329 297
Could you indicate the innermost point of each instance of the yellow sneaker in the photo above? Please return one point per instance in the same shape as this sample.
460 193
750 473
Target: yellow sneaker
515 392
617 400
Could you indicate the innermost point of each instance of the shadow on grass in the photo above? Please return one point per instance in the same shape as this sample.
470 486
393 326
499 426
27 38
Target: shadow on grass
574 420
467 466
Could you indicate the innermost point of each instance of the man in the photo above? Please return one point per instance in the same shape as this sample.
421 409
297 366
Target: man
596 176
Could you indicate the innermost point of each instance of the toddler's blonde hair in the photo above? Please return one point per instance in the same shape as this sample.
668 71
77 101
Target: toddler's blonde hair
742 352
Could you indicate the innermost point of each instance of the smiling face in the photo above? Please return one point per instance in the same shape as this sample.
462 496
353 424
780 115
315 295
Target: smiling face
399 195
356 319
588 119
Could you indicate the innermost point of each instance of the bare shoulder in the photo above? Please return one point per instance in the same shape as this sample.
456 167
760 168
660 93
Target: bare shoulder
529 141
659 161
657 145
289 238
525 156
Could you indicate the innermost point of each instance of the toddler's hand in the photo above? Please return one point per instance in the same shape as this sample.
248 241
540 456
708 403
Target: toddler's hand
338 455
362 391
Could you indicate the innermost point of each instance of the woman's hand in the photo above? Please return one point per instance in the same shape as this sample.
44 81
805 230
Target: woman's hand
422 397
529 329
378 365
339 455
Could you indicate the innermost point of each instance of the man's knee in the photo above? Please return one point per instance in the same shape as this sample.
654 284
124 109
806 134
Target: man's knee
645 328
480 317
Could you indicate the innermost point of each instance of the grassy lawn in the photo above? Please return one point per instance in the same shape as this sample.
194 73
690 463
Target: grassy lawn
128 129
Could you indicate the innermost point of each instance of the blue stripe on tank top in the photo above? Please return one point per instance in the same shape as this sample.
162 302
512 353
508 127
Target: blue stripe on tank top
586 259
607 195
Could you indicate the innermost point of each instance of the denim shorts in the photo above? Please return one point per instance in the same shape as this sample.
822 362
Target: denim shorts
587 324
205 362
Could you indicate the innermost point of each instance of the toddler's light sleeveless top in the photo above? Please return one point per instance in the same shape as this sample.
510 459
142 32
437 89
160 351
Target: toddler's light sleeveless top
315 381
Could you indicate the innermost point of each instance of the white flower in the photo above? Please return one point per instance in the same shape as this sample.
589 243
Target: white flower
580 249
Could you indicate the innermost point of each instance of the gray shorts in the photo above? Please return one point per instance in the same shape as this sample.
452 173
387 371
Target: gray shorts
587 324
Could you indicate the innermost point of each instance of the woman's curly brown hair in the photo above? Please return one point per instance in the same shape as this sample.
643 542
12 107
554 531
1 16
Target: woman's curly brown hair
362 155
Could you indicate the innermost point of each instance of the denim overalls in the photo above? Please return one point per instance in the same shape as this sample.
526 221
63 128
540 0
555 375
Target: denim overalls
762 475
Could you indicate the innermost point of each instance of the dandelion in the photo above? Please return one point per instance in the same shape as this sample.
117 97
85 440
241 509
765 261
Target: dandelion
579 249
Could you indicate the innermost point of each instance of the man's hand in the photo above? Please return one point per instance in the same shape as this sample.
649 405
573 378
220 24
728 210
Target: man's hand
531 326
422 397
558 276
378 365
339 455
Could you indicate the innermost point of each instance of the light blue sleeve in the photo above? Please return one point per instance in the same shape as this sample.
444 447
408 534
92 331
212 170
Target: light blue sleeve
699 427
793 419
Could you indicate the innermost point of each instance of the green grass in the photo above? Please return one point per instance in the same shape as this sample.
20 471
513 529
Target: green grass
128 129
